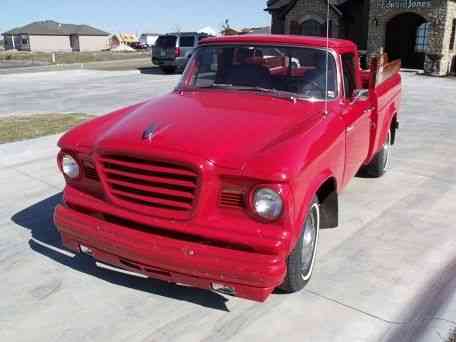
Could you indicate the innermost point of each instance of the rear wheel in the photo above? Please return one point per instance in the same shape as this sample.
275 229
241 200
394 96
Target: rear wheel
301 261
382 160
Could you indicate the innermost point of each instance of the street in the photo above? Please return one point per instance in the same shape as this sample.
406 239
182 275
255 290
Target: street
385 274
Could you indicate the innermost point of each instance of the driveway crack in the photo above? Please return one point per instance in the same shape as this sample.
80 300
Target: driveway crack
365 313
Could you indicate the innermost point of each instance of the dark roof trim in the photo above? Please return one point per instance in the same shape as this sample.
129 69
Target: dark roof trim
52 28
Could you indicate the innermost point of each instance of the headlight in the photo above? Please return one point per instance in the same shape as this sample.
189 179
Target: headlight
70 166
267 204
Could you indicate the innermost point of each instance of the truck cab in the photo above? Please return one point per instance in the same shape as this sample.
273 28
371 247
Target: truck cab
225 183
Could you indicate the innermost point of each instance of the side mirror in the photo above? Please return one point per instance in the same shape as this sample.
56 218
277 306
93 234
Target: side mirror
360 95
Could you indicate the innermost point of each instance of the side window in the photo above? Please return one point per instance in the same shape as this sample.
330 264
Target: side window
188 41
348 63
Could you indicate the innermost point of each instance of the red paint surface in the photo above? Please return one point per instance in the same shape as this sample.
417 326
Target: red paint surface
230 140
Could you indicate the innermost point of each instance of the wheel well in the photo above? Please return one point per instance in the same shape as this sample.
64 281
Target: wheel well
394 127
329 204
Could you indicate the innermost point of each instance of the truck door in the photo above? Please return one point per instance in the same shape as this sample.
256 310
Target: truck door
357 119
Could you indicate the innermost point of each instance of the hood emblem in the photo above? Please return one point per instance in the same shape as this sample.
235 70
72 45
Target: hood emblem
152 131
149 133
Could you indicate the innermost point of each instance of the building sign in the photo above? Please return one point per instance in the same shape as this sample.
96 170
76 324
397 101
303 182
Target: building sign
406 4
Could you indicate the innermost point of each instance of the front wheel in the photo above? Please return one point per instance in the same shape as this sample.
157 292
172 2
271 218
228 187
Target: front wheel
301 261
381 161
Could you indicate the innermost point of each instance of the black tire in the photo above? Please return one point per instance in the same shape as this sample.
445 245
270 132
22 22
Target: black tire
300 271
381 161
168 70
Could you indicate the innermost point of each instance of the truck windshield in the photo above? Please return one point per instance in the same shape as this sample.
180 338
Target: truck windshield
298 72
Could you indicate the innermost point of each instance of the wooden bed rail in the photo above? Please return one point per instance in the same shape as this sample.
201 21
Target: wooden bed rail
382 70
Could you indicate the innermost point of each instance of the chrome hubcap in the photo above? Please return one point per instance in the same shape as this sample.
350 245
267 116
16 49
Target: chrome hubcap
387 150
309 241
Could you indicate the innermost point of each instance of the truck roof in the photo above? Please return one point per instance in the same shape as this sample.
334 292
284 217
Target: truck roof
335 44
183 34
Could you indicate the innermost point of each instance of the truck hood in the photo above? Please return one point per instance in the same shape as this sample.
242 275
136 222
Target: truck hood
225 127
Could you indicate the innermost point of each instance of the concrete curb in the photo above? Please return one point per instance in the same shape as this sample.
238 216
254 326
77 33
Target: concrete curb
72 66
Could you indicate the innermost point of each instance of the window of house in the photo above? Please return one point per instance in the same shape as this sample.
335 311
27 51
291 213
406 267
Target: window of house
422 37
348 63
453 34
312 27
188 41
24 41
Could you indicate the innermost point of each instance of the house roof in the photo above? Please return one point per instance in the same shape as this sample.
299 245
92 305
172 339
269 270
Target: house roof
276 4
53 28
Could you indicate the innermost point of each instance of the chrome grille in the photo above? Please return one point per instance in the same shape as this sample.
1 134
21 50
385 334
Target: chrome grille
232 199
90 171
166 186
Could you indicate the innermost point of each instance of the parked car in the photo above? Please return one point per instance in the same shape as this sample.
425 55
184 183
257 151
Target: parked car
172 51
225 183
138 45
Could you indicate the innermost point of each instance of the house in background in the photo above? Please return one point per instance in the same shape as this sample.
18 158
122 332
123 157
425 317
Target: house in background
209 31
229 31
257 30
122 39
48 36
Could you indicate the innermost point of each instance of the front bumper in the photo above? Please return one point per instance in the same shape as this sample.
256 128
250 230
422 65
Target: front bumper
252 275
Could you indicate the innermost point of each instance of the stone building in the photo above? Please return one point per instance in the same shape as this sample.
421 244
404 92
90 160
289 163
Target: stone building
419 32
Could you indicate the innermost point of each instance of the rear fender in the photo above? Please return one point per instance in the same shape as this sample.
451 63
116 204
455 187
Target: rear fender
382 123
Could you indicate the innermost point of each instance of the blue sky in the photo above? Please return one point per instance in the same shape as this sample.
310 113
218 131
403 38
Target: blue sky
136 15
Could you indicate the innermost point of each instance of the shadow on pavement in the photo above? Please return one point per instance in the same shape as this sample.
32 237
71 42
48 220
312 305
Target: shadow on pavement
156 71
151 71
38 219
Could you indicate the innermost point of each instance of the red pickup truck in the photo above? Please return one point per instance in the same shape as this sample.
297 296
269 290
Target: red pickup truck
225 183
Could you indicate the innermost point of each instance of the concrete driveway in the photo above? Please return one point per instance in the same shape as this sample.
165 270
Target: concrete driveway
80 91
386 274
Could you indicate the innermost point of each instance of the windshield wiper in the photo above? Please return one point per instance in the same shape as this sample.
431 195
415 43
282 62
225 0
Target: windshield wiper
274 92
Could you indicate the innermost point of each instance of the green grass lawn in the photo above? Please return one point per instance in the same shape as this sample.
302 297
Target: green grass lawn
19 127
71 57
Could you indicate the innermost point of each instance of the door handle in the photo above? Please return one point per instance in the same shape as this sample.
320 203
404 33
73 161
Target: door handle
367 111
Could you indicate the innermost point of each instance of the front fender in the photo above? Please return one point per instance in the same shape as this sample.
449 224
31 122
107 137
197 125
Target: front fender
302 206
